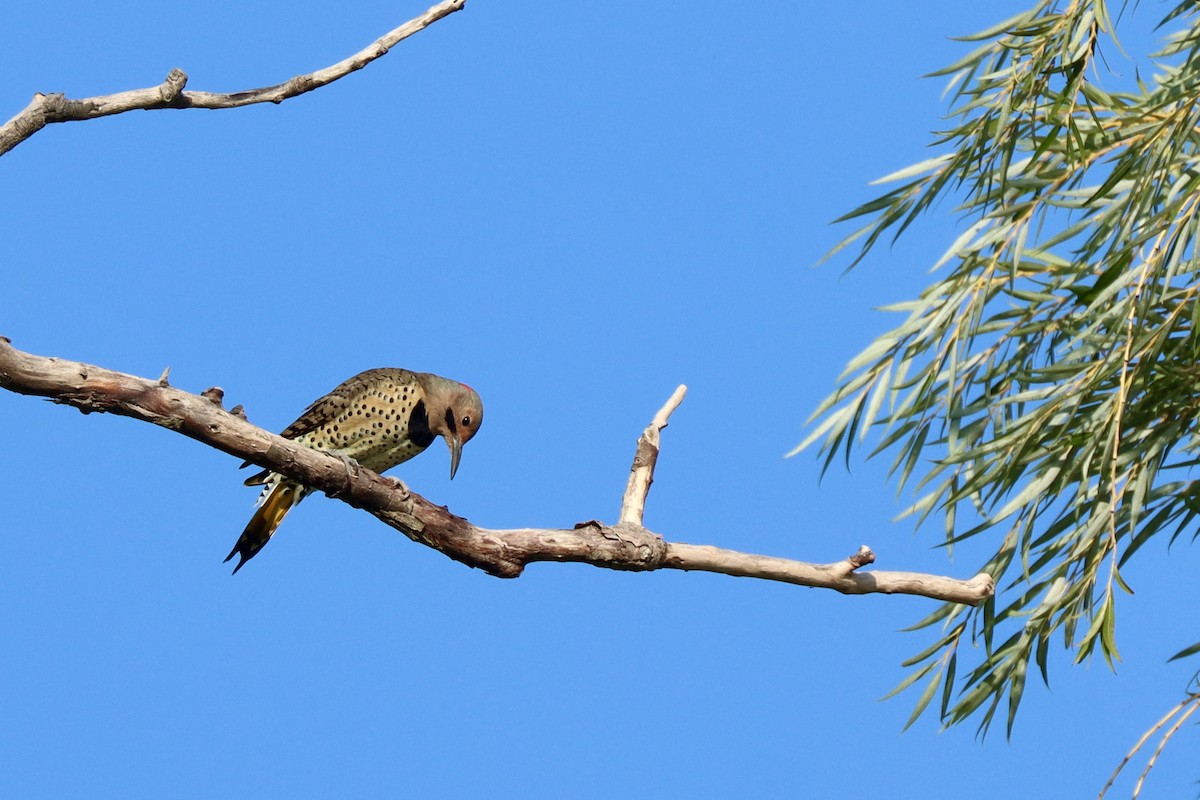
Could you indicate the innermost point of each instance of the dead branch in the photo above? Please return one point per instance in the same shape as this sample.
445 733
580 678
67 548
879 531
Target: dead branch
45 109
641 474
503 553
1180 713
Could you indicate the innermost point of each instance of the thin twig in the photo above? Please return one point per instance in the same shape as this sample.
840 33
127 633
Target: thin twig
1191 699
641 474
1137 789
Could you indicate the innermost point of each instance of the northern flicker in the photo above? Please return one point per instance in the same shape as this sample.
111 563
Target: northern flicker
378 418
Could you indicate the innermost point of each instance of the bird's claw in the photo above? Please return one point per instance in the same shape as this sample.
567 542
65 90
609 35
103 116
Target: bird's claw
352 466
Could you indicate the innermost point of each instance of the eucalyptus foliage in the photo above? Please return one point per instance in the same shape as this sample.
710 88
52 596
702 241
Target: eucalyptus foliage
1044 391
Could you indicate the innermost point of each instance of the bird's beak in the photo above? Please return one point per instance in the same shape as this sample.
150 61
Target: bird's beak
455 444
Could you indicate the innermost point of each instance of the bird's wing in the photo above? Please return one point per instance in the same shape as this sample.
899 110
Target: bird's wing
327 407
323 409
333 404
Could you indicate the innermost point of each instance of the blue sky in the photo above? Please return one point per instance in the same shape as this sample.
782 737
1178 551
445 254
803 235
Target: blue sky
572 207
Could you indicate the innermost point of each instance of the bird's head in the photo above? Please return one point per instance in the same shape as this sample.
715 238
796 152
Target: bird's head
455 414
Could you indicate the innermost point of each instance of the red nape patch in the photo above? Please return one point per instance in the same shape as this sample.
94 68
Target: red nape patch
468 387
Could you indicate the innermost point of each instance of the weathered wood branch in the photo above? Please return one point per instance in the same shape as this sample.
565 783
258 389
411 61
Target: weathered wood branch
503 553
45 109
641 475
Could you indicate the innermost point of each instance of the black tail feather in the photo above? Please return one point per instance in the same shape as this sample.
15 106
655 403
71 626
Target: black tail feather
266 519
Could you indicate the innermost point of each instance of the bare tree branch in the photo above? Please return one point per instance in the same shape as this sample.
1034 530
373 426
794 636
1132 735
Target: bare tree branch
503 553
641 475
47 108
1185 709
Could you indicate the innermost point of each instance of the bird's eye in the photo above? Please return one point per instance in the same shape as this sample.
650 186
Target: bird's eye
466 422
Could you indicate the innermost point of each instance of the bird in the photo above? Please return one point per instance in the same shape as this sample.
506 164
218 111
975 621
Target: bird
376 419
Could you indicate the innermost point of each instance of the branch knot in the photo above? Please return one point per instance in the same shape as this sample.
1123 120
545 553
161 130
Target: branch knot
636 548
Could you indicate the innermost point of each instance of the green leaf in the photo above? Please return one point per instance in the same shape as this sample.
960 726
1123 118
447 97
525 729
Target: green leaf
948 683
912 678
921 167
943 611
926 696
1016 691
1186 652
1043 648
929 651
1108 639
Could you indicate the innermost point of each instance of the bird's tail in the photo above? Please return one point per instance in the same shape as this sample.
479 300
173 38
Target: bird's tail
275 505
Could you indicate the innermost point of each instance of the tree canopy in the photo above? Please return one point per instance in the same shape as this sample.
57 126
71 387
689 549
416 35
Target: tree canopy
1043 390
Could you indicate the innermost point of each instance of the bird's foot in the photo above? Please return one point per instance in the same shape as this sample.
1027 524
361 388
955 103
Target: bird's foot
352 466
398 484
